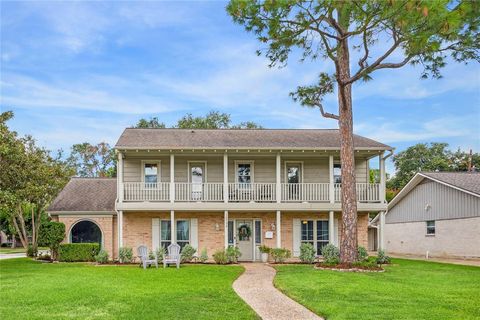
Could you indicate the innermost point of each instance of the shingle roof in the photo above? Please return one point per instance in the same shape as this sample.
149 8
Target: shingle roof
463 180
86 194
135 138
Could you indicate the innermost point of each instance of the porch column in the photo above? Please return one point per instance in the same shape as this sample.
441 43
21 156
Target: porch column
172 226
120 228
225 179
279 229
120 177
278 186
172 178
225 227
382 179
331 226
381 231
331 187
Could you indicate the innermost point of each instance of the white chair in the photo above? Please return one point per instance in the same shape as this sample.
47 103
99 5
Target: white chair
172 256
145 259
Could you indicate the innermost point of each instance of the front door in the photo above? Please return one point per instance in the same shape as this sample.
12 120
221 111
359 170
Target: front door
197 178
245 239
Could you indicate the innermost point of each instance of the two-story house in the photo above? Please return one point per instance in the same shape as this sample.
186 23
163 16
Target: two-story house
216 188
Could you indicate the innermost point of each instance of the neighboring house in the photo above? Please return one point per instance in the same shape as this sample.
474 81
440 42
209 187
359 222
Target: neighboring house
215 188
436 213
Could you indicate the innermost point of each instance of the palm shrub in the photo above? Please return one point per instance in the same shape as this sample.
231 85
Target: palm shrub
160 252
382 258
187 253
204 256
125 255
233 253
279 255
102 257
220 257
307 253
362 254
331 254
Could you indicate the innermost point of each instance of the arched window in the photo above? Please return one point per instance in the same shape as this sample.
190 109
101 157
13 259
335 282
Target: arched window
86 232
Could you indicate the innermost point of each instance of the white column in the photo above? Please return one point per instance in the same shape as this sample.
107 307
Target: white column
331 189
382 179
278 186
381 231
279 229
120 177
172 178
120 228
172 226
225 227
331 226
225 179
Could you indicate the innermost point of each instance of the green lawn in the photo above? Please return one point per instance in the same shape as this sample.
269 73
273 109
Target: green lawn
33 290
408 290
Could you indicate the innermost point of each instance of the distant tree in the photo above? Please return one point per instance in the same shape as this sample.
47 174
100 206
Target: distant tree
357 38
150 123
93 160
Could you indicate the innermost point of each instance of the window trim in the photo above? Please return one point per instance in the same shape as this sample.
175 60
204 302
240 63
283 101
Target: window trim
189 173
176 230
286 169
427 227
315 238
252 169
159 167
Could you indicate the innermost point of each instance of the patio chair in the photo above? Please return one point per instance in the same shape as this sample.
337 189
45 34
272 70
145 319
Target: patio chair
145 259
172 256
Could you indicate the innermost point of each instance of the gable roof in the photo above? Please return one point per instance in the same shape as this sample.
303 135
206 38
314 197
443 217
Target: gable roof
136 138
86 194
468 182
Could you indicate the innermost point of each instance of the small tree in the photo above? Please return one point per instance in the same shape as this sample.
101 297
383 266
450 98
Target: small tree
51 235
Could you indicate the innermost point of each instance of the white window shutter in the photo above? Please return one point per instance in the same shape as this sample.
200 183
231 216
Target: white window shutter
296 237
194 233
335 230
155 233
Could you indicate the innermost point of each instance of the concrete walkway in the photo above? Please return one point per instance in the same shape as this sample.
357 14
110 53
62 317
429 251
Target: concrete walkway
255 287
12 255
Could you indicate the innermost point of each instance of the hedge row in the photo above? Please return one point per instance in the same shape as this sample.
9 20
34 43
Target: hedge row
71 252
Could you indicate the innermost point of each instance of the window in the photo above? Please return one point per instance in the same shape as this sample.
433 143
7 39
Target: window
182 230
230 233
316 233
431 227
293 172
150 172
244 172
86 232
337 173
258 232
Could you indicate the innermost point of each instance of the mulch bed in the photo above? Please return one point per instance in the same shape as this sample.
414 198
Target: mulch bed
348 268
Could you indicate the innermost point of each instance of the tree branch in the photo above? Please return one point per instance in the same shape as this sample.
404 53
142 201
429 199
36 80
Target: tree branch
327 114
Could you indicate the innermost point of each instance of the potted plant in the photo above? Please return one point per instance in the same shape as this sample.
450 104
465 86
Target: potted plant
264 250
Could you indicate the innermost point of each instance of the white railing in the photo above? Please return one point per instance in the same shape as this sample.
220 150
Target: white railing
143 191
251 192
366 192
305 192
197 192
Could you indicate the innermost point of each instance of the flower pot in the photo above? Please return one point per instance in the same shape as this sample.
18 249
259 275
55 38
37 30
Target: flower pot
264 257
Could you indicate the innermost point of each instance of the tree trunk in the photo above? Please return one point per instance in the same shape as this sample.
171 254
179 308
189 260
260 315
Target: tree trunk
348 243
21 232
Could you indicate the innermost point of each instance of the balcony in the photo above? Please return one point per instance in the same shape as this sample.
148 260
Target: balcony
240 192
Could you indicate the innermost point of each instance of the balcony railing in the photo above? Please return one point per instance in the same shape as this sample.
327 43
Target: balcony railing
243 192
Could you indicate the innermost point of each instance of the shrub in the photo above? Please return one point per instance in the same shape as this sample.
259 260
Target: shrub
279 255
187 253
151 255
125 255
233 253
70 252
44 257
362 254
204 256
264 249
160 252
307 253
382 258
331 254
31 252
220 257
370 262
102 257
51 235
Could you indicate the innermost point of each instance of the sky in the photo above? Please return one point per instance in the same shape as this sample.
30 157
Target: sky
83 71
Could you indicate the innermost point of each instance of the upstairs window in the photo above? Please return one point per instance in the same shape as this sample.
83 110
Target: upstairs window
244 174
294 172
337 173
431 227
151 172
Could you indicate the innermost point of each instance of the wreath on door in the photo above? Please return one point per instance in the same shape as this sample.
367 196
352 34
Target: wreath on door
244 232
